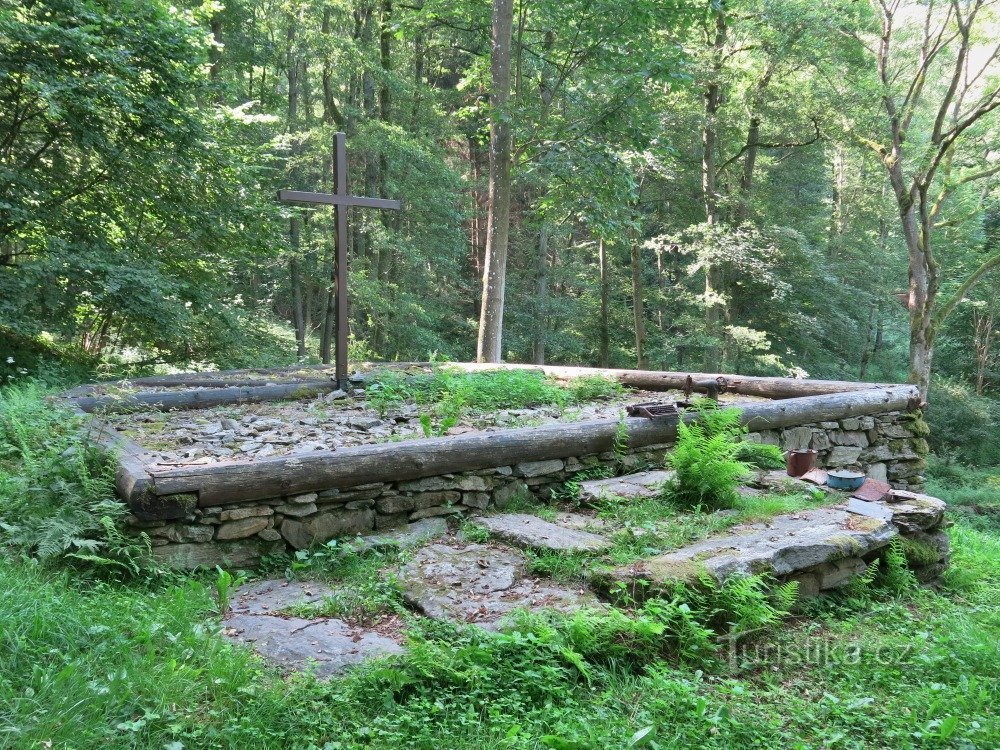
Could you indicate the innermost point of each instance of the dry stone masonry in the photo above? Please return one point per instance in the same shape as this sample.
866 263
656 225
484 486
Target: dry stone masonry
889 447
234 510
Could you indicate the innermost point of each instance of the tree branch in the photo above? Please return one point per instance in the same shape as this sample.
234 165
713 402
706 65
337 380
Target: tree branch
946 309
796 144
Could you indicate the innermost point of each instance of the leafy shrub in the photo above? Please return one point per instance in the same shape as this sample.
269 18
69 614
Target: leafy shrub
963 426
57 498
707 472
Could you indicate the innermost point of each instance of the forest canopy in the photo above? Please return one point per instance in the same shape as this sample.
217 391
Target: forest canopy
755 186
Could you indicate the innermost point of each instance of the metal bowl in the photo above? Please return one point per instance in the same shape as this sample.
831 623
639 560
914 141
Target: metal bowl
845 480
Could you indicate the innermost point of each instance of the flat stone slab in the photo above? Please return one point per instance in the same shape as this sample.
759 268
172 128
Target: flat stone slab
406 537
913 512
327 646
782 546
530 531
643 484
581 521
275 596
480 584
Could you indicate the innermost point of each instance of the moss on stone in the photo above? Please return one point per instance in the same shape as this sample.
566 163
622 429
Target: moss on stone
917 424
920 446
919 553
682 571
847 544
864 523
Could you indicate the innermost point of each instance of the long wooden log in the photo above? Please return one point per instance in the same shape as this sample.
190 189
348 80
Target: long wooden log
201 399
273 477
652 380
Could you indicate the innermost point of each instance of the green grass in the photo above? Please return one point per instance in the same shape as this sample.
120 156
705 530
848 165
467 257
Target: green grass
446 392
365 589
140 667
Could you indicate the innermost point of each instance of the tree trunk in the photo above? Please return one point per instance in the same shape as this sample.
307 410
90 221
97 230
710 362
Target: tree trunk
605 337
489 345
298 312
837 218
541 295
638 315
215 52
983 335
709 138
331 114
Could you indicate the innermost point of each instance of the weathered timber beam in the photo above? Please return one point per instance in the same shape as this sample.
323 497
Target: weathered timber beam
207 397
235 482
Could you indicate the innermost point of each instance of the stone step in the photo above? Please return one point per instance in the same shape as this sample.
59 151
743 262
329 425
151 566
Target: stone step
642 485
481 584
783 547
258 618
821 548
406 537
525 530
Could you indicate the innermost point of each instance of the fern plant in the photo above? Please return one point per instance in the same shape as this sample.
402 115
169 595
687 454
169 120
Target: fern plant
707 471
57 498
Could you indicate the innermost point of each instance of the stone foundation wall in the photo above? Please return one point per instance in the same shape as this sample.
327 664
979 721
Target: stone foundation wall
889 447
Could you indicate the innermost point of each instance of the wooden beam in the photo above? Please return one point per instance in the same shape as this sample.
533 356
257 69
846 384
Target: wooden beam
333 199
222 483
201 399
652 380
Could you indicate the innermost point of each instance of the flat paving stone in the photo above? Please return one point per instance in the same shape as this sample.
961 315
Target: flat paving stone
530 531
327 646
581 521
406 537
480 584
275 596
643 484
782 546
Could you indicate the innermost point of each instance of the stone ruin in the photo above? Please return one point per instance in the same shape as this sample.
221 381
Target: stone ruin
233 510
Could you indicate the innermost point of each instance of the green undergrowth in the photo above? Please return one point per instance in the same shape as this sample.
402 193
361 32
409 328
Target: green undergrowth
57 500
447 393
107 665
973 494
365 587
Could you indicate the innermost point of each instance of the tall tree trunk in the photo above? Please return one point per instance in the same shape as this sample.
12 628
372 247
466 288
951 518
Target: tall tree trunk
298 311
868 348
746 178
837 212
331 113
541 295
215 52
605 337
709 136
661 286
418 75
637 308
489 345
983 338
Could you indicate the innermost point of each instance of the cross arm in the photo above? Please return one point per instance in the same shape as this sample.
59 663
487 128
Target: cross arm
333 199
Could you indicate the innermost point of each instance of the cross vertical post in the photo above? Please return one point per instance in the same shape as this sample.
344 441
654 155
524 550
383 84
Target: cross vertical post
341 201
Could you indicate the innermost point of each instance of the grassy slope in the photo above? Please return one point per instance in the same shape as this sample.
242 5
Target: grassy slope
90 665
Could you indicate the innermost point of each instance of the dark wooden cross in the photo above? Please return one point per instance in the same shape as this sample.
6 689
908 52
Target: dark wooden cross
340 200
